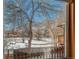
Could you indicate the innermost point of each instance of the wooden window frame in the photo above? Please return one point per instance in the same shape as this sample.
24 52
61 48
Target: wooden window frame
70 36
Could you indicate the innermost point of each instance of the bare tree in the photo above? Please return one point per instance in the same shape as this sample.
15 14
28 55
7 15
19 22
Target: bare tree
44 9
38 34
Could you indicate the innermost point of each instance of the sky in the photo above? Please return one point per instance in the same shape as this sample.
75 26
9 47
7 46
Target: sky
26 6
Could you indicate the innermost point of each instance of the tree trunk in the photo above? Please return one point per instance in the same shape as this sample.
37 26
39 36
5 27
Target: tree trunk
52 34
38 37
30 35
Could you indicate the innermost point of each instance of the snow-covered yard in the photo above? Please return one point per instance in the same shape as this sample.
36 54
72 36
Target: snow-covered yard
16 43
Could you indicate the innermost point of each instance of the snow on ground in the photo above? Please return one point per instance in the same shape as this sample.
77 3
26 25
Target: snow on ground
35 44
16 46
16 43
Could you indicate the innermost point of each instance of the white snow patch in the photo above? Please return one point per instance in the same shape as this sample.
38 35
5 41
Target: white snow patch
44 42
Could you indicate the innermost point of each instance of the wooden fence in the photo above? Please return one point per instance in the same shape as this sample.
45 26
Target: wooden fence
55 53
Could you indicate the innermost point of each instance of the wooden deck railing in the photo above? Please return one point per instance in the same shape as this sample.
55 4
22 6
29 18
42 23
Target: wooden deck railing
55 53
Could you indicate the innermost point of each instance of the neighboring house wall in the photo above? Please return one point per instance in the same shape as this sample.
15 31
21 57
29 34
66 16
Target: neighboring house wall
61 39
